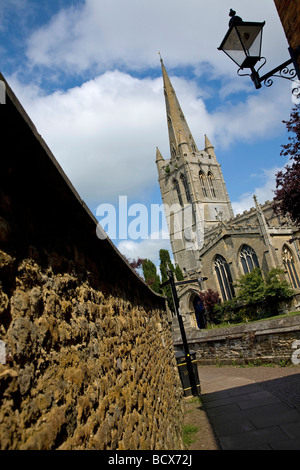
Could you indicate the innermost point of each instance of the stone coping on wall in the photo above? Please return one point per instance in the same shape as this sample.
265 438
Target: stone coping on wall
280 325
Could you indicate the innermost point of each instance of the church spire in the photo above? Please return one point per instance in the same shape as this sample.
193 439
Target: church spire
179 131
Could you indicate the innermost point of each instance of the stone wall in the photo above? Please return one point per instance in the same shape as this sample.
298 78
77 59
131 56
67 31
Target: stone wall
87 359
269 341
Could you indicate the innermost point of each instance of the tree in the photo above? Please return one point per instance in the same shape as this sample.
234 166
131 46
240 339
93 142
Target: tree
178 273
251 287
150 275
287 193
262 295
136 263
210 298
165 264
275 287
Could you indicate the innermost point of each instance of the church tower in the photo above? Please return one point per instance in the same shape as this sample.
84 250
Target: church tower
192 186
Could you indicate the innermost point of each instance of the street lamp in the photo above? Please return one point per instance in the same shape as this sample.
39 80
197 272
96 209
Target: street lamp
242 43
171 281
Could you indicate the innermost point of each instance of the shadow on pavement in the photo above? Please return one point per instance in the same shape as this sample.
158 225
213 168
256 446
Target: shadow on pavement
256 416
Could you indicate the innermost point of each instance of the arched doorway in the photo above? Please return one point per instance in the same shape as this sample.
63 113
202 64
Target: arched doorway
199 312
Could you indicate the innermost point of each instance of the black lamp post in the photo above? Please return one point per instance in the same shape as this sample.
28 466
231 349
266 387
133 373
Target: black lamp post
242 43
171 281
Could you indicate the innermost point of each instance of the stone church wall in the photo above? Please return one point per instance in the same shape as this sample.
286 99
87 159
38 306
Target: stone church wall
86 353
269 341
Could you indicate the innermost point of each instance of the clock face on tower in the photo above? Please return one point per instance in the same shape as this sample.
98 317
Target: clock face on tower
188 235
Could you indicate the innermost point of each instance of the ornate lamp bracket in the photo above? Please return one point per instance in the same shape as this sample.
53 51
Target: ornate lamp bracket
282 71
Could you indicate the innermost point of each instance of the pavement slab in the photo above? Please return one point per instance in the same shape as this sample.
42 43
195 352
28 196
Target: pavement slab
253 408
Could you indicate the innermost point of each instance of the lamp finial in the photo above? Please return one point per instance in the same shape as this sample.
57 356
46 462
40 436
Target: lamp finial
234 19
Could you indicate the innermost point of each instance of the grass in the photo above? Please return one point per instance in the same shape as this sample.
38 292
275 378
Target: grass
194 400
228 324
189 431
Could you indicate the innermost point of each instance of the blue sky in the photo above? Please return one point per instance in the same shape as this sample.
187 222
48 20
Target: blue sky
89 76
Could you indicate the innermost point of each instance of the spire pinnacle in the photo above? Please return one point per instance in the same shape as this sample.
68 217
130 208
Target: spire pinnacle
177 124
209 148
207 143
158 155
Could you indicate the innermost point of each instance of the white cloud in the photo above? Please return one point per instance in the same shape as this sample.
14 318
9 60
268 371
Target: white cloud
104 133
259 116
115 33
145 249
264 193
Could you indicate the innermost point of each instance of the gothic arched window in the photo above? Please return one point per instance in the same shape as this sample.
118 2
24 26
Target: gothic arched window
202 183
211 185
289 264
186 188
177 189
224 277
248 259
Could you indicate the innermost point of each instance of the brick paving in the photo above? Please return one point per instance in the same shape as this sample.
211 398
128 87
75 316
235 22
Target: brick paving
253 408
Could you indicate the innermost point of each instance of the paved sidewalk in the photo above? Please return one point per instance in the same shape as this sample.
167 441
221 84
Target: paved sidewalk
255 408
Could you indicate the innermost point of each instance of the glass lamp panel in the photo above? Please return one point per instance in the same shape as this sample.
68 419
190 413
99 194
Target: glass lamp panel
233 47
251 36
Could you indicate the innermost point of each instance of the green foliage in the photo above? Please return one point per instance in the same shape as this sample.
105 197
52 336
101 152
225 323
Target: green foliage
188 432
165 264
250 287
153 279
225 311
253 288
178 273
256 297
275 287
150 275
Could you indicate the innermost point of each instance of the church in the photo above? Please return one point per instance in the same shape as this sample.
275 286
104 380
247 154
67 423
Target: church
207 239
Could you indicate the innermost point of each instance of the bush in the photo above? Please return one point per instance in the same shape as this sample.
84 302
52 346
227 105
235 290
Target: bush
210 298
256 298
275 287
225 312
250 287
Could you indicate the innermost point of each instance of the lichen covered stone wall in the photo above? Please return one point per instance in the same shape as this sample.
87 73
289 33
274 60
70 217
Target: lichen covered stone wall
86 352
84 369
